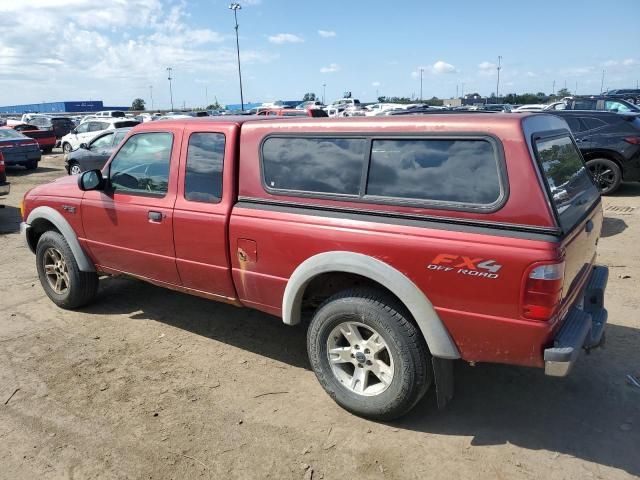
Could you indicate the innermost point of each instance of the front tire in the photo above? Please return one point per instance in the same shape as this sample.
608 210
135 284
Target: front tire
61 279
74 168
367 354
606 174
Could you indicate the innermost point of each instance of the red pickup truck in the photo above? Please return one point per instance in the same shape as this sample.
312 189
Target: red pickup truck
401 244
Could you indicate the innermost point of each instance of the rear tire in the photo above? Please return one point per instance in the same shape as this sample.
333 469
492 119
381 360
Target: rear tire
61 279
47 150
66 147
606 174
380 368
32 165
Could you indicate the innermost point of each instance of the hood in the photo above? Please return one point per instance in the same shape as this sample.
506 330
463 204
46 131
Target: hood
66 186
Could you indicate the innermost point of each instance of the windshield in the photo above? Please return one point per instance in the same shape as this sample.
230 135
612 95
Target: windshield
10 134
572 190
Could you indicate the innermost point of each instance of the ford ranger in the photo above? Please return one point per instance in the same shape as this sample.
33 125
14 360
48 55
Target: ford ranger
401 244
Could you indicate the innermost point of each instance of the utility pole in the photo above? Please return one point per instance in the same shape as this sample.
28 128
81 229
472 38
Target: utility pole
462 93
498 82
553 91
206 97
576 90
235 7
151 95
169 70
324 90
421 72
602 82
456 90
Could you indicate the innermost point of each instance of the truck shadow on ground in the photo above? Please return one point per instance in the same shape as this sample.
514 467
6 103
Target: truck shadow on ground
612 226
591 415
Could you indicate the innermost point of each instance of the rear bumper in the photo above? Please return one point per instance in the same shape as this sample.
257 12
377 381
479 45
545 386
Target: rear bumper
4 188
583 327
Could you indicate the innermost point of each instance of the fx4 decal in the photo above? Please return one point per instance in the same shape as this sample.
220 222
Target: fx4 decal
463 265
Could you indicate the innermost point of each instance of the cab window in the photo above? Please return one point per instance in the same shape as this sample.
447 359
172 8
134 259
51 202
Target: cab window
203 176
141 166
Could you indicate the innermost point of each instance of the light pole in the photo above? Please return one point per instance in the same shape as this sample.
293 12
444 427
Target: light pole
602 82
498 82
324 90
421 72
169 69
235 7
151 95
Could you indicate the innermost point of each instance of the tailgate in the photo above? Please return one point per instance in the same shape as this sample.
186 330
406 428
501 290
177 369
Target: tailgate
580 252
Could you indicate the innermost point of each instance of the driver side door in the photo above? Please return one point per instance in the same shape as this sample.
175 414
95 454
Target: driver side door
129 226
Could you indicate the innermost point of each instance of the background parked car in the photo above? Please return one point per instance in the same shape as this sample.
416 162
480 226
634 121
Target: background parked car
87 131
631 95
606 104
61 126
609 143
110 113
18 149
46 138
4 185
534 107
96 153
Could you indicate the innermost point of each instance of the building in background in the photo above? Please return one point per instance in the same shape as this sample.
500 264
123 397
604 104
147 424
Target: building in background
60 107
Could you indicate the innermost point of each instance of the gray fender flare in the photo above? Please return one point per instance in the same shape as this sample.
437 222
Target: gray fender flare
436 335
47 213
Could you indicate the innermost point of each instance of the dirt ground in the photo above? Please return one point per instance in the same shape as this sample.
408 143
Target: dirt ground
148 383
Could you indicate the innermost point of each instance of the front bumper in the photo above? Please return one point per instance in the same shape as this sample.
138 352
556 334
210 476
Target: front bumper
4 188
24 233
583 328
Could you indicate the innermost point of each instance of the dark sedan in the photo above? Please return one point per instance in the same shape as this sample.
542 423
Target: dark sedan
609 143
18 149
95 154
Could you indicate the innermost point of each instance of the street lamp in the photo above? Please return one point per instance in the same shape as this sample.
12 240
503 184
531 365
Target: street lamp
324 90
235 7
151 95
498 83
421 72
169 69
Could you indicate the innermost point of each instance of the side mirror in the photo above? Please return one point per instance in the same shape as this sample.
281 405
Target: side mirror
84 146
74 131
91 180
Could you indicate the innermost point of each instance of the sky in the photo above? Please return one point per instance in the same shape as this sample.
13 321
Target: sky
115 50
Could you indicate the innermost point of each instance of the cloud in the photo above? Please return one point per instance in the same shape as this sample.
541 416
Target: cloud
332 68
443 67
577 71
110 51
281 38
375 84
438 68
326 33
487 68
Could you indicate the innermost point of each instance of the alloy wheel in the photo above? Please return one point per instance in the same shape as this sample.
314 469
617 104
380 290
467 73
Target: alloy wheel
360 358
603 176
55 269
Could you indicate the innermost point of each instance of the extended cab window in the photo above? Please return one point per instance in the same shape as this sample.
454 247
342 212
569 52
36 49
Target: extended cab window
318 165
141 166
460 171
572 190
203 177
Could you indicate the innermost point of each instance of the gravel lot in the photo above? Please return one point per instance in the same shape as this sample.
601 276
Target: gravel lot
148 383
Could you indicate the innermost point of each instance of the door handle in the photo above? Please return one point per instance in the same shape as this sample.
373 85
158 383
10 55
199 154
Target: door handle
155 216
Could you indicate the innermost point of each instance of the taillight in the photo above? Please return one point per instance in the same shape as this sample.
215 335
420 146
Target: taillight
542 292
633 140
1 163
